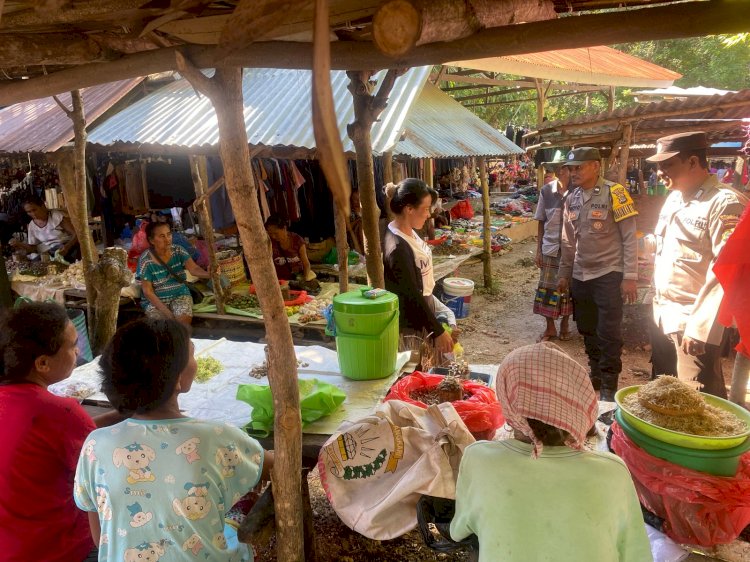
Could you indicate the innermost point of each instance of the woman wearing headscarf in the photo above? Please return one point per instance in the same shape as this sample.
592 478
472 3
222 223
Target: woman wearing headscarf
540 495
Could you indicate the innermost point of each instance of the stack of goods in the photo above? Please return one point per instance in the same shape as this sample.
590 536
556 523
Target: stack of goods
672 421
687 454
232 265
512 207
313 311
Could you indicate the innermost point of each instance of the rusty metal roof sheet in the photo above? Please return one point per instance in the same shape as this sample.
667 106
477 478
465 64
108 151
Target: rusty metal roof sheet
42 126
585 65
720 115
278 112
440 127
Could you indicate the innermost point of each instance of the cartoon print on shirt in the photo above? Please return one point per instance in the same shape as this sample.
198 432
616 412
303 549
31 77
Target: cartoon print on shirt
138 516
196 505
193 544
219 541
189 448
136 458
147 551
88 450
228 457
103 505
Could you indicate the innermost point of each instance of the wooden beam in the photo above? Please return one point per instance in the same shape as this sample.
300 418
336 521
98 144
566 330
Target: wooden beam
482 81
33 49
493 93
512 102
486 226
696 19
627 136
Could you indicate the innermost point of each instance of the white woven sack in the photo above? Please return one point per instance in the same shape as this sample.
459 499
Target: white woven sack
375 469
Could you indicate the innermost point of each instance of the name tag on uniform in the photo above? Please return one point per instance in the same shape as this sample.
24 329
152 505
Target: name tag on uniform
597 214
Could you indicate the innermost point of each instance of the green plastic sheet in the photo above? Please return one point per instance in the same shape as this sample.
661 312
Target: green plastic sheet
317 399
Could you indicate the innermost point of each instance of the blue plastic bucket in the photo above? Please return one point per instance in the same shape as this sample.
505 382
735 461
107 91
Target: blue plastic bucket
457 294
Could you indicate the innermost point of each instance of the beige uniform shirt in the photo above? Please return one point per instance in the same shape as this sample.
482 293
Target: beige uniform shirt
598 235
689 236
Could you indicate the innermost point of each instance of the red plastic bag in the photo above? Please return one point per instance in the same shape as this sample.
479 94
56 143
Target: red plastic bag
697 508
462 210
480 412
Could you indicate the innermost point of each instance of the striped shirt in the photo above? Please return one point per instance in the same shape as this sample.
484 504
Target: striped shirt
165 286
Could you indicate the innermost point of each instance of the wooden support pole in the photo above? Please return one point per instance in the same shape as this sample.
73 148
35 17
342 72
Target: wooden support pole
486 225
367 108
611 99
342 248
387 167
697 19
199 173
541 95
627 135
6 299
225 92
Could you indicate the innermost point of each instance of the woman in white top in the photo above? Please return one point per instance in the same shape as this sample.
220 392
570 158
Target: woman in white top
50 231
407 263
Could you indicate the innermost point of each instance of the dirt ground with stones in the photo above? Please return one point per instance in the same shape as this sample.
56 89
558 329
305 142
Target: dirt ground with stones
500 320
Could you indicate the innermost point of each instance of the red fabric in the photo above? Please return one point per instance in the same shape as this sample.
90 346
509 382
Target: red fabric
42 436
480 411
732 269
697 508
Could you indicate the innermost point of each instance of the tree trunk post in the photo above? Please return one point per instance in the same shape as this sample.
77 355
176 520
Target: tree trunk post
387 167
342 248
225 92
109 276
486 225
611 99
366 109
72 172
627 135
200 180
541 97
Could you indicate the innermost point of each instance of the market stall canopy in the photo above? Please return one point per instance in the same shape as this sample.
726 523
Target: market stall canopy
440 127
721 116
42 126
601 66
278 116
50 47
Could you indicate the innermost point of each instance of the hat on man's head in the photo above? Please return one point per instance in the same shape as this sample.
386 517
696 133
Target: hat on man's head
672 145
581 155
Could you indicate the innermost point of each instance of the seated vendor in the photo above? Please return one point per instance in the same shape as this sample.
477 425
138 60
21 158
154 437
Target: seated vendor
541 495
289 251
50 231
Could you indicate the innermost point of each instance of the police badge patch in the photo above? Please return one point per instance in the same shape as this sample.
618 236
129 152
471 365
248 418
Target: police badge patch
622 203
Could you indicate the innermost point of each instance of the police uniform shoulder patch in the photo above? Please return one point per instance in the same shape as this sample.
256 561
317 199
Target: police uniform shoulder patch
729 221
622 204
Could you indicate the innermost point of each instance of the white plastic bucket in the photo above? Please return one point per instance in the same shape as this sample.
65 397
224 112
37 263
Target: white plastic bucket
457 293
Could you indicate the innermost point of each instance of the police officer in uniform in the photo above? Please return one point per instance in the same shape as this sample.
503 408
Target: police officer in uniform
599 252
695 221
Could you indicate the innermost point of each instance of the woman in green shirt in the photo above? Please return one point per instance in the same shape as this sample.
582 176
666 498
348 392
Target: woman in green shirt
540 496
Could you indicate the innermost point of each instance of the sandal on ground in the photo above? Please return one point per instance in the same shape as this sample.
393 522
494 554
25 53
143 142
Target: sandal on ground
565 336
545 337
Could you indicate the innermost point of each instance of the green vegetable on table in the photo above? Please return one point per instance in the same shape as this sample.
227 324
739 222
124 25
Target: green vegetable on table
208 368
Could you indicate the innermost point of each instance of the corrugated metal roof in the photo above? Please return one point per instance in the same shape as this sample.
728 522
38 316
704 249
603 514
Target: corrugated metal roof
42 126
723 113
278 112
584 65
440 127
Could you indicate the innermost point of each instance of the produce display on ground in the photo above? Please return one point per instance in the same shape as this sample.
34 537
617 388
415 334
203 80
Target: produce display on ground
243 302
208 368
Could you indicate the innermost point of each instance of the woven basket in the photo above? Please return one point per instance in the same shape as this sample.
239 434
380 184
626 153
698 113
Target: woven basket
231 265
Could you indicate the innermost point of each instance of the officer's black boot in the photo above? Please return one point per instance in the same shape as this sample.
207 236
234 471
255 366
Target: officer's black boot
607 394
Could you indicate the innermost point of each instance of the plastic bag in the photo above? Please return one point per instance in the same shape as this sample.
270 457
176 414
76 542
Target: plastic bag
462 210
480 412
317 399
697 508
664 549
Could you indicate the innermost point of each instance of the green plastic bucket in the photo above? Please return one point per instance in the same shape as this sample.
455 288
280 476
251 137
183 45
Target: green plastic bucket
366 334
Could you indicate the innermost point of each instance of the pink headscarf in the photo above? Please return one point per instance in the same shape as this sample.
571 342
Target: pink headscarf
542 382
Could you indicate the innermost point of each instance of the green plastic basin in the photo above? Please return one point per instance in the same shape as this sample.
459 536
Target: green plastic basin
685 439
720 462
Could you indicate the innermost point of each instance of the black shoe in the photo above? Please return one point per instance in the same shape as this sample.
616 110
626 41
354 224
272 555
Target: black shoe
596 382
607 395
